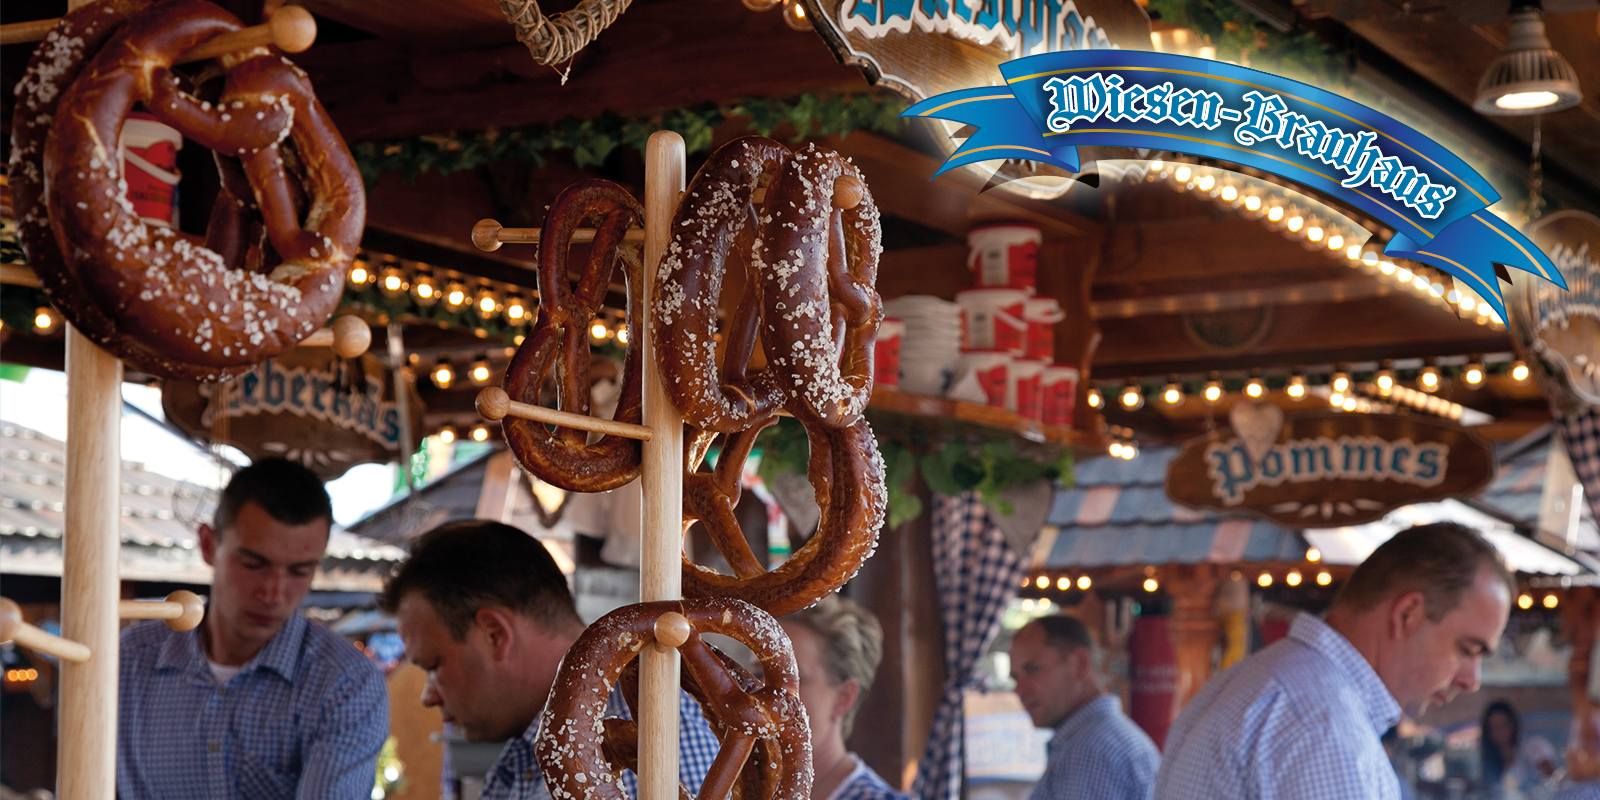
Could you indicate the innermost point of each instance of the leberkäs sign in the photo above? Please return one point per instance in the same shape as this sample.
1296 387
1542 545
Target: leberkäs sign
1053 103
1328 470
307 405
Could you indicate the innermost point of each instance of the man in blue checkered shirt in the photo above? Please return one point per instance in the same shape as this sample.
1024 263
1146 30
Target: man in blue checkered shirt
258 701
1303 719
485 610
1097 753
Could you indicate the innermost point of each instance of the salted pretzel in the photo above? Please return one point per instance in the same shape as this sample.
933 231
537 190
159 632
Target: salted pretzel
766 741
560 340
713 231
53 67
820 324
164 288
847 473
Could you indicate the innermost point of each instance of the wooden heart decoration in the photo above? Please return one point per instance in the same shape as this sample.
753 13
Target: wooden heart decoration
1257 425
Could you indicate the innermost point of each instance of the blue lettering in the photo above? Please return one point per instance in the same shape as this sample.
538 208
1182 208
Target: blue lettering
1398 458
273 386
1272 465
1231 469
297 392
1430 463
1307 453
391 426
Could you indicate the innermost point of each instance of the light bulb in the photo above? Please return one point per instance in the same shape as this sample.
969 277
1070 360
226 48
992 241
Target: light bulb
480 434
1094 398
1474 374
360 275
1115 449
516 311
1295 223
1323 578
1349 404
1205 183
1183 173
1454 297
487 304
1370 258
1429 379
455 296
1084 582
1296 390
1468 303
794 13
1275 213
1420 283
1340 382
1229 193
425 289
1404 275
1063 583
1526 100
480 371
1353 252
392 282
1173 394
1314 233
1130 451
1255 388
1335 242
1550 601
598 331
1519 371
1213 391
443 375
1385 380
1264 579
1293 578
1436 289
447 435
622 334
44 319
1132 397
1253 203
1150 584
1157 165
1483 309
1313 555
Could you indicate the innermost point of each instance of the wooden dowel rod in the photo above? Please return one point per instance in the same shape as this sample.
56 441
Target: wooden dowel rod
292 29
13 629
349 335
18 275
182 610
661 473
30 31
86 756
494 404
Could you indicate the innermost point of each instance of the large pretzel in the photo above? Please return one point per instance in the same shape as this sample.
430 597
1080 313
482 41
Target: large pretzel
560 339
164 288
53 67
766 740
847 474
818 267
715 225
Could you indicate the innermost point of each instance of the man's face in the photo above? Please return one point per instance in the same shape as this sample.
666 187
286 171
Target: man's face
1050 683
1435 661
263 569
461 680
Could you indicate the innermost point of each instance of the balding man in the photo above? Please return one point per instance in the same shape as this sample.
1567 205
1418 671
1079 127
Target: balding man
1303 719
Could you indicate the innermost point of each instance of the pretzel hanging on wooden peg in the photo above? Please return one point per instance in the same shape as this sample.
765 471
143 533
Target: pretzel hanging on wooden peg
765 735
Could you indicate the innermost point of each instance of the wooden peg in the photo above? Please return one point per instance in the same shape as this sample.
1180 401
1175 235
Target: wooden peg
182 610
672 630
847 192
13 629
494 404
349 336
292 29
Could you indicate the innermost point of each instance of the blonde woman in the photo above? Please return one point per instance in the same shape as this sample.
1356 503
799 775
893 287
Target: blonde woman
837 647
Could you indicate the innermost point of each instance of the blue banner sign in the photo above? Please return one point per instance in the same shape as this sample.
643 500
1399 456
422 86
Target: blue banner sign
1437 205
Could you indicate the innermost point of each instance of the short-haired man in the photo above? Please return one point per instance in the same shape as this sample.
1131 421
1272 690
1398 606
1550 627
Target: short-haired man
1097 753
1304 718
485 610
258 701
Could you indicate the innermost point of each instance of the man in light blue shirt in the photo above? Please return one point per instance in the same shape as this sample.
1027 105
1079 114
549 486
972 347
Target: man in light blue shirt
257 702
485 610
1097 753
1303 719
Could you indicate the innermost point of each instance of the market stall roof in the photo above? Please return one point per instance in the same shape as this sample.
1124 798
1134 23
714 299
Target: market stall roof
454 496
1118 514
158 543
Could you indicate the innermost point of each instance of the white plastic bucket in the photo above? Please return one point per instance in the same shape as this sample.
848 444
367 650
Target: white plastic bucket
991 319
886 353
1041 314
1024 397
149 152
1005 255
1059 390
992 369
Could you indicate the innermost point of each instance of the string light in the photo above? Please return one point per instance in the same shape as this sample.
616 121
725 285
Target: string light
1183 173
1313 555
480 433
1229 193
1385 380
455 295
44 319
1314 233
1387 267
480 371
1519 371
1370 258
1525 601
1323 578
1063 583
598 331
1353 252
1084 582
1340 382
1043 582
1336 242
516 310
1294 224
1473 374
1205 183
1130 451
443 375
1213 391
447 435
1173 394
1253 203
1275 213
622 334
1404 275
425 289
794 14
1094 398
1255 388
1551 601
1264 579
1428 379
359 274
1336 399
1468 302
1293 578
1151 584
1296 387
1115 449
1132 398
1349 403
392 282
487 304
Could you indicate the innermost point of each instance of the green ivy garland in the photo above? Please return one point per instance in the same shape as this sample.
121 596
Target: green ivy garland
592 141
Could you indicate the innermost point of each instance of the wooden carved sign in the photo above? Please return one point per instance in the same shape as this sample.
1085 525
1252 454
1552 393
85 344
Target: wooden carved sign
921 48
1327 470
1559 329
307 405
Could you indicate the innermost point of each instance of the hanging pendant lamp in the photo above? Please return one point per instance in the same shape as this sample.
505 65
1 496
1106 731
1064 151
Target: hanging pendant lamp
1529 76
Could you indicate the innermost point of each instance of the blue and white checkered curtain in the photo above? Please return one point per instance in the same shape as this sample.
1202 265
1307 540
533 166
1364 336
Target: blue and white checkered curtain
1580 433
977 574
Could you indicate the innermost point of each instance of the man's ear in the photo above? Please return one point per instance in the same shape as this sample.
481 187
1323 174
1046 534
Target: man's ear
1406 612
208 544
499 628
845 699
1080 662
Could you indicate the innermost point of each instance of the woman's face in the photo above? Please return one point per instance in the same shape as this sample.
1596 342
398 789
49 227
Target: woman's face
822 698
1501 731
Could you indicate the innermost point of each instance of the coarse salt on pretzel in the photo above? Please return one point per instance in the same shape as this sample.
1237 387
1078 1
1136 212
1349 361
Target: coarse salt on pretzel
763 722
560 340
818 267
158 285
713 230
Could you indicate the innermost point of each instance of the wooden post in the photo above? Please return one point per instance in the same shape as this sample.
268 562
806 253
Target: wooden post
660 568
87 751
1193 629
